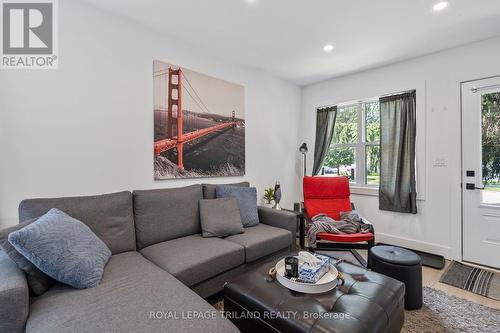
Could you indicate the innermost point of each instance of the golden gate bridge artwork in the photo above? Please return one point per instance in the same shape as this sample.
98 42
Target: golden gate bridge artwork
199 127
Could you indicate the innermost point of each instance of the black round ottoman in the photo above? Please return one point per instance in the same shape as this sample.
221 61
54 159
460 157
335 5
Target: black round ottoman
400 264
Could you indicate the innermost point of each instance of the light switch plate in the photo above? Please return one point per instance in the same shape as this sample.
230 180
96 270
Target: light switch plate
440 161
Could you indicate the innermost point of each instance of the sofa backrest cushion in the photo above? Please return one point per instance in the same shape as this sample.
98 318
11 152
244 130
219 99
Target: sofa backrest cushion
165 214
209 189
109 216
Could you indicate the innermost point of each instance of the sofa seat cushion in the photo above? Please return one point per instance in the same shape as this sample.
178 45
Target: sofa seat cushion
262 240
193 259
132 292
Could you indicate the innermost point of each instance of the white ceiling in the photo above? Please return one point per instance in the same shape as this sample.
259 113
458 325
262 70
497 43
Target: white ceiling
286 37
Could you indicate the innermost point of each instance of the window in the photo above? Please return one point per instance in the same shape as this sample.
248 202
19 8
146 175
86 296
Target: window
490 106
355 147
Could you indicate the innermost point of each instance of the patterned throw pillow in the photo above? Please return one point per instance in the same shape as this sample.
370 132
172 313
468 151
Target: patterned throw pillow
63 248
247 200
38 281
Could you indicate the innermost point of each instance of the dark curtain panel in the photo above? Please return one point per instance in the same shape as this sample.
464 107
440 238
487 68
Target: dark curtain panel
398 191
325 122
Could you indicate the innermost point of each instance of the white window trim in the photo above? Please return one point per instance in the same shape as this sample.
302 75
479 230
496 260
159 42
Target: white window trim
421 144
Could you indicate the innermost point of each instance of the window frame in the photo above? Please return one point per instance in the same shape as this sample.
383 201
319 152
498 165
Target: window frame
360 180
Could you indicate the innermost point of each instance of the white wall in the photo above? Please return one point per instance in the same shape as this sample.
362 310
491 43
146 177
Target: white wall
437 226
87 128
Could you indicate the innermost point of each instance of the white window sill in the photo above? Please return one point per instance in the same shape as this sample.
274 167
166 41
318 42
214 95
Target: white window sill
365 190
373 191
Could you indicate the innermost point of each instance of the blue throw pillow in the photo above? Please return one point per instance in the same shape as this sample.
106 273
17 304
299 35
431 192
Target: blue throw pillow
63 248
247 200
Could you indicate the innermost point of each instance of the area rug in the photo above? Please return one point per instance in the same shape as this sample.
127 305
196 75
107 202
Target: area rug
477 280
440 313
445 313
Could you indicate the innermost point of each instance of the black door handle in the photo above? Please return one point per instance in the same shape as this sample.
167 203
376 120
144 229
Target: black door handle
472 186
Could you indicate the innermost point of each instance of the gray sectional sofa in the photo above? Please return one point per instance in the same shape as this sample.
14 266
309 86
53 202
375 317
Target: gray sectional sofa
161 266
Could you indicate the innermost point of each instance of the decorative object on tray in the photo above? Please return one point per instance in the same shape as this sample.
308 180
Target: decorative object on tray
268 197
316 273
291 267
277 195
313 267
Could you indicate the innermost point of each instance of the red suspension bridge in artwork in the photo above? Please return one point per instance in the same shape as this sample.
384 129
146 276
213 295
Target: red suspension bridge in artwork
175 137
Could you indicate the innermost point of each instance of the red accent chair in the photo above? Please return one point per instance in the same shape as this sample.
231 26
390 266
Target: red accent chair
330 196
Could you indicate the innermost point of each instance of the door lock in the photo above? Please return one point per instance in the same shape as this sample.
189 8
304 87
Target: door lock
472 186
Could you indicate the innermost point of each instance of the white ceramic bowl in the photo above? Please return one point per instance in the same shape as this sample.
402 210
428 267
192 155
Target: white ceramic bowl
328 282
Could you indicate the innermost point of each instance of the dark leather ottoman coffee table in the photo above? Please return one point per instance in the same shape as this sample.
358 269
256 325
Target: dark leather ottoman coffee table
367 302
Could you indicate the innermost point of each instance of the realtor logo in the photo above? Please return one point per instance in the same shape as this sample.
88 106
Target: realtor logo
29 39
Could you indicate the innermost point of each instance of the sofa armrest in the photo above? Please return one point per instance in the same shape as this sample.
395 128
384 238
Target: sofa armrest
279 219
14 296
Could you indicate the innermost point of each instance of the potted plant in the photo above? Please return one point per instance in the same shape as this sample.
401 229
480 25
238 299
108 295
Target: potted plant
268 197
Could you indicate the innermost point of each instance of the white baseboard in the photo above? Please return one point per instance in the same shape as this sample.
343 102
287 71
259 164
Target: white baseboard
433 248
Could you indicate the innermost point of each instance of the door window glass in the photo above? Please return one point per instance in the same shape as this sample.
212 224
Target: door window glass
490 120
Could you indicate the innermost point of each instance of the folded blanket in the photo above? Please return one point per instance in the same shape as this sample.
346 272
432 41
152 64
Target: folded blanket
350 224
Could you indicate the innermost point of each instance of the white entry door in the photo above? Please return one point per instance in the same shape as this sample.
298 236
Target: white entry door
481 171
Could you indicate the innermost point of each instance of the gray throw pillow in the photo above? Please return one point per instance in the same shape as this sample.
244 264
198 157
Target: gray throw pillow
220 217
209 189
38 281
63 248
247 201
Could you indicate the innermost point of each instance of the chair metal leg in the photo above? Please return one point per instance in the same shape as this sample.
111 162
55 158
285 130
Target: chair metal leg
347 247
359 258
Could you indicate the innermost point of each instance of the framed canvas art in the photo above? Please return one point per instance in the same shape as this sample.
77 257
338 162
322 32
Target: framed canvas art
199 124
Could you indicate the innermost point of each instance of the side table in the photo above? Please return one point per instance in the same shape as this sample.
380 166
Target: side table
301 220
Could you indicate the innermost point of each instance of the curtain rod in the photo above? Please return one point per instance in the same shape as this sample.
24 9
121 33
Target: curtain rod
398 93
474 90
365 100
